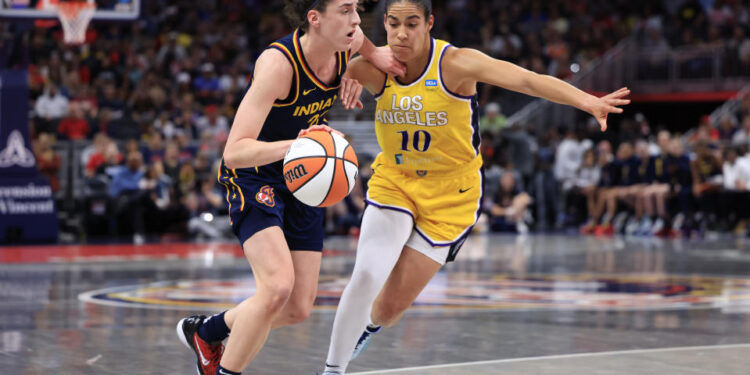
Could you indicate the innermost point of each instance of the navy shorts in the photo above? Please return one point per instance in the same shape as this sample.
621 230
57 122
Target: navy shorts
255 204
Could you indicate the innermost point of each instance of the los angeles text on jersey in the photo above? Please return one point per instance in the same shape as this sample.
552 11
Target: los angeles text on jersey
408 110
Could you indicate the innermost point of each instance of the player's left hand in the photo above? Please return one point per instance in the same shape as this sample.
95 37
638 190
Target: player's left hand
350 93
384 60
600 108
319 128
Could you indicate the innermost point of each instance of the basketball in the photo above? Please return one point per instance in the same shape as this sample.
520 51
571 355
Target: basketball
320 168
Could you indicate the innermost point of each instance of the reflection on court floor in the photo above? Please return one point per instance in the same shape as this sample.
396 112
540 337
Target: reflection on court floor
509 305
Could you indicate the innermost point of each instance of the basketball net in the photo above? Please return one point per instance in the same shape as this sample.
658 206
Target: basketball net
74 17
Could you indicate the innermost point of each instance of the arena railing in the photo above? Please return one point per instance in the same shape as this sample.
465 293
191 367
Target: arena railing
703 69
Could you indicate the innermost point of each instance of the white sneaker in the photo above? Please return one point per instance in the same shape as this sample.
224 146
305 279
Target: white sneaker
658 226
618 223
632 227
645 228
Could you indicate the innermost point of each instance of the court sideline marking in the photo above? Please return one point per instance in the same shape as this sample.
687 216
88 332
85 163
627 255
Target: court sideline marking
562 356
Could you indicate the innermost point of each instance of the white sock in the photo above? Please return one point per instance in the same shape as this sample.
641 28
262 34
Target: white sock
384 234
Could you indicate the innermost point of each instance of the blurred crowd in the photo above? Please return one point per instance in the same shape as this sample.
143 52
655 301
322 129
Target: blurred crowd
638 181
152 103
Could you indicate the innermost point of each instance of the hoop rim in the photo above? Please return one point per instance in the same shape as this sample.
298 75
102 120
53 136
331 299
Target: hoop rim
72 8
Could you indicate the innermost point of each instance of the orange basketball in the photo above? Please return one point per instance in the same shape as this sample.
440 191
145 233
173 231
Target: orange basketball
320 168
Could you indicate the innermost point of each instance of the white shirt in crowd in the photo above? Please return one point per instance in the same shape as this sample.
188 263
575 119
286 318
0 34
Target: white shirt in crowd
588 176
742 137
569 157
739 171
218 128
51 107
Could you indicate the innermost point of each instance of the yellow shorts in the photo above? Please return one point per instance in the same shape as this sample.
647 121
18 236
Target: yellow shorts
444 205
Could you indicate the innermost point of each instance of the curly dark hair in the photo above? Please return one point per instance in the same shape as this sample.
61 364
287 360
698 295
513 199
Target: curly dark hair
296 11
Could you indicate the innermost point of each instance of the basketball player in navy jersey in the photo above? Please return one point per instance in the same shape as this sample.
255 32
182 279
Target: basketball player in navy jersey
296 81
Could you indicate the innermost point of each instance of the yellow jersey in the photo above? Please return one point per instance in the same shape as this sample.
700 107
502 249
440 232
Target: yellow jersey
423 126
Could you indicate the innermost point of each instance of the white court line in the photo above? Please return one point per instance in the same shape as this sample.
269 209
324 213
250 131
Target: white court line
563 356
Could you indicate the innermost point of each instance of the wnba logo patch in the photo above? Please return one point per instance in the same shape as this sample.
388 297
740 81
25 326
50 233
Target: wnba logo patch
265 196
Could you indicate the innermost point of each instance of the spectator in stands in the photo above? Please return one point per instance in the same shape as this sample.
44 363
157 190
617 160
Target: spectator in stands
493 120
186 179
111 102
202 165
706 170
74 126
641 223
126 127
95 155
171 161
155 150
207 85
127 197
734 201
204 212
605 163
624 172
212 124
86 101
509 207
586 183
727 128
48 161
653 197
164 125
102 121
49 109
157 184
546 189
678 170
568 158
742 136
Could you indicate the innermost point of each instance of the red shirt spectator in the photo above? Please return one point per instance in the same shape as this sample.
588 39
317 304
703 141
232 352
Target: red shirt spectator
48 161
74 126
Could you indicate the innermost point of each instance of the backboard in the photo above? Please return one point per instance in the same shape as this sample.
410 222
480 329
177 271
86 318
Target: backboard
106 10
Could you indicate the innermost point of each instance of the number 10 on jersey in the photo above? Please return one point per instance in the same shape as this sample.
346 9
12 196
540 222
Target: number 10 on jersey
420 140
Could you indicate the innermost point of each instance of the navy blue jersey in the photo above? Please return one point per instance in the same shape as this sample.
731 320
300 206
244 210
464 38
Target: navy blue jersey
657 169
645 174
626 171
307 104
258 198
678 170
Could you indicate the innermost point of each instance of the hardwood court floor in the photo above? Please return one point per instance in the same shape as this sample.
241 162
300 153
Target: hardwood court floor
509 305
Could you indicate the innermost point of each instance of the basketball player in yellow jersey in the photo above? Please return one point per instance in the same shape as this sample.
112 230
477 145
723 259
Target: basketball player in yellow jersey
281 237
424 196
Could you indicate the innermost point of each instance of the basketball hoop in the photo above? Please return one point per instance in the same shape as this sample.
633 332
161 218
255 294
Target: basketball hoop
74 17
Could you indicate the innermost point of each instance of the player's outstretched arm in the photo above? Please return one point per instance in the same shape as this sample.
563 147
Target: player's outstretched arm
473 65
364 72
272 81
380 57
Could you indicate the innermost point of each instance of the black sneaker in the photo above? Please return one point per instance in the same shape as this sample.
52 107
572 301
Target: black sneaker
208 354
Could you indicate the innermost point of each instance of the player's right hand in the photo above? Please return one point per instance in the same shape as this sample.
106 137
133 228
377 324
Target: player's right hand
318 128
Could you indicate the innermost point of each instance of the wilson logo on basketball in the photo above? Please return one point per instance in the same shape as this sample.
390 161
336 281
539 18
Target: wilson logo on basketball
265 196
295 173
